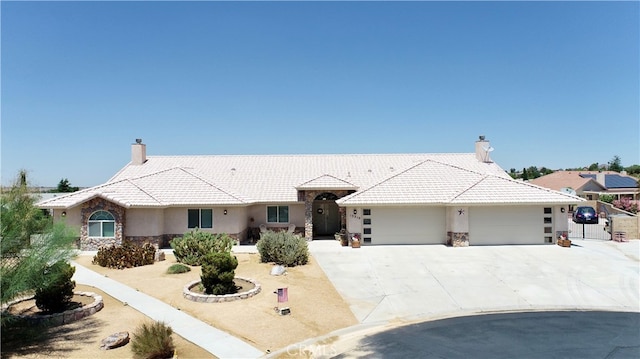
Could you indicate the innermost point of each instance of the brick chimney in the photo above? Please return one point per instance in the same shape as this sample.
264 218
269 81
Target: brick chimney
138 152
483 149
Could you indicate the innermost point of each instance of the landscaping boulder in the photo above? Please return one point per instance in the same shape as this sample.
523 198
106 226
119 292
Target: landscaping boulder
114 341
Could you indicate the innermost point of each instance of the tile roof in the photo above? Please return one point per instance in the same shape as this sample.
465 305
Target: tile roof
614 180
171 187
561 179
164 181
436 183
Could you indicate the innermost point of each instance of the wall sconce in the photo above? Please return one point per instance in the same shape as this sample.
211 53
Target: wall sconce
562 209
63 214
225 212
355 211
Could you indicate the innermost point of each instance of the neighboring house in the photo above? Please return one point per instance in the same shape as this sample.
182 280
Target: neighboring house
455 198
591 184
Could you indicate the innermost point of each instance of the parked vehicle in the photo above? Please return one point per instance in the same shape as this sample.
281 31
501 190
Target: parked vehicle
585 214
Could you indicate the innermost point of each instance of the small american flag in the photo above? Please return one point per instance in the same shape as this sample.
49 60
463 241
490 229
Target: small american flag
283 296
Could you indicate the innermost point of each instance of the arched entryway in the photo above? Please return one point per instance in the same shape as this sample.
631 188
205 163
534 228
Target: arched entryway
326 215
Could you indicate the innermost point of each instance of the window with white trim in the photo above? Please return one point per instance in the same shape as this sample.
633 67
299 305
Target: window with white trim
200 218
278 214
101 224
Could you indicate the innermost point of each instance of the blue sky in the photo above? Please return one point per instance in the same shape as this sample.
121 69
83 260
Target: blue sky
552 84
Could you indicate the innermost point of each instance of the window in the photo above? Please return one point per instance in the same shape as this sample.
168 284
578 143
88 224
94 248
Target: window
102 224
366 221
366 212
367 230
547 210
200 218
278 214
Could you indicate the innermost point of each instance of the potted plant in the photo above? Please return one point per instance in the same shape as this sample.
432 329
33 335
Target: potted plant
344 238
355 241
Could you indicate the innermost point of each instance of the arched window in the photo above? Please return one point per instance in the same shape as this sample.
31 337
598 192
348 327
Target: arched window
102 224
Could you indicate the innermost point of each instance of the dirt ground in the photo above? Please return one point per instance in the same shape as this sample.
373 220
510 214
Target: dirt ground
82 339
316 308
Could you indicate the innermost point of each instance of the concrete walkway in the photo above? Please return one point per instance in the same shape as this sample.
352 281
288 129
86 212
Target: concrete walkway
213 340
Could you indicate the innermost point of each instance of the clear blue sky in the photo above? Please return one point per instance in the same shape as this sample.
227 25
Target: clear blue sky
549 84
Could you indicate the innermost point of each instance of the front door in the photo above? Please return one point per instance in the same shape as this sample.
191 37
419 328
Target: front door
326 218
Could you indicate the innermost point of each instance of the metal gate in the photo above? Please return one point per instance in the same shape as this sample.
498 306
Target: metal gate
589 231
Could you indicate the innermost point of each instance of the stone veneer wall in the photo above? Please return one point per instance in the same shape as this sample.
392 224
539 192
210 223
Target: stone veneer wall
309 197
156 241
94 243
458 239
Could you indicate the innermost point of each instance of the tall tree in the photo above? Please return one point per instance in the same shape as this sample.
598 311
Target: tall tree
65 186
615 165
29 242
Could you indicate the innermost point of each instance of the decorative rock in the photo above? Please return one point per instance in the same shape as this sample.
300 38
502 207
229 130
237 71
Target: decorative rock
159 256
115 340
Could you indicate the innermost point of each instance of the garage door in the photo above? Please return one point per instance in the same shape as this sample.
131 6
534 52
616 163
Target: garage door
506 225
413 225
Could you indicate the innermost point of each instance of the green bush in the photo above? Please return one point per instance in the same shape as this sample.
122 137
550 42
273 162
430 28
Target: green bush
194 245
178 268
283 248
125 256
152 341
609 198
57 290
218 271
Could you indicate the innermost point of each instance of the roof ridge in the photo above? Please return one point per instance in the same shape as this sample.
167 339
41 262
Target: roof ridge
325 175
145 192
240 199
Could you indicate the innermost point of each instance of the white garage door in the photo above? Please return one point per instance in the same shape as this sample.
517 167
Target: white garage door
506 225
413 225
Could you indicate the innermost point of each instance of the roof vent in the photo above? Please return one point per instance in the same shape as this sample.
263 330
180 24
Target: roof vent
139 141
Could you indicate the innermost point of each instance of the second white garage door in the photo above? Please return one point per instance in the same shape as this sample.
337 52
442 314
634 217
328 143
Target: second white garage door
407 225
506 225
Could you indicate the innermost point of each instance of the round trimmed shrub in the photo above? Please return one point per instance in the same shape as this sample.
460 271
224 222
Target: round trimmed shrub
57 290
218 271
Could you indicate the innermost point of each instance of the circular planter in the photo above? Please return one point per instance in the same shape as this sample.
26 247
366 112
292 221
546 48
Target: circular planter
209 298
62 318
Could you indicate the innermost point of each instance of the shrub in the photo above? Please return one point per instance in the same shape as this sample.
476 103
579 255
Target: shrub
626 204
153 341
283 248
608 198
125 256
218 271
194 245
57 290
178 268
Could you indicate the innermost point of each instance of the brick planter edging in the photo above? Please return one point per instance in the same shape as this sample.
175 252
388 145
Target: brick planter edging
65 317
209 298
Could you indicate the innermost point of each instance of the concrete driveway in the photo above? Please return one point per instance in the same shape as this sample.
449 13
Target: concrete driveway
385 284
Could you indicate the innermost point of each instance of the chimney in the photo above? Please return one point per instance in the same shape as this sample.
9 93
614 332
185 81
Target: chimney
483 148
600 178
138 152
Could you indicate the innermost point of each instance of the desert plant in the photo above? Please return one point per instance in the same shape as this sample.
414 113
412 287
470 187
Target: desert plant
29 242
283 248
218 271
194 245
57 290
178 268
125 256
152 341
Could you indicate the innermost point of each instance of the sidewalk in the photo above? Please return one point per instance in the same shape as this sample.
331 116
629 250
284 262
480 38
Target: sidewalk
213 340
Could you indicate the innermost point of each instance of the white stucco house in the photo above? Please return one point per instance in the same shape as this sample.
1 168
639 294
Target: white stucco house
458 199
